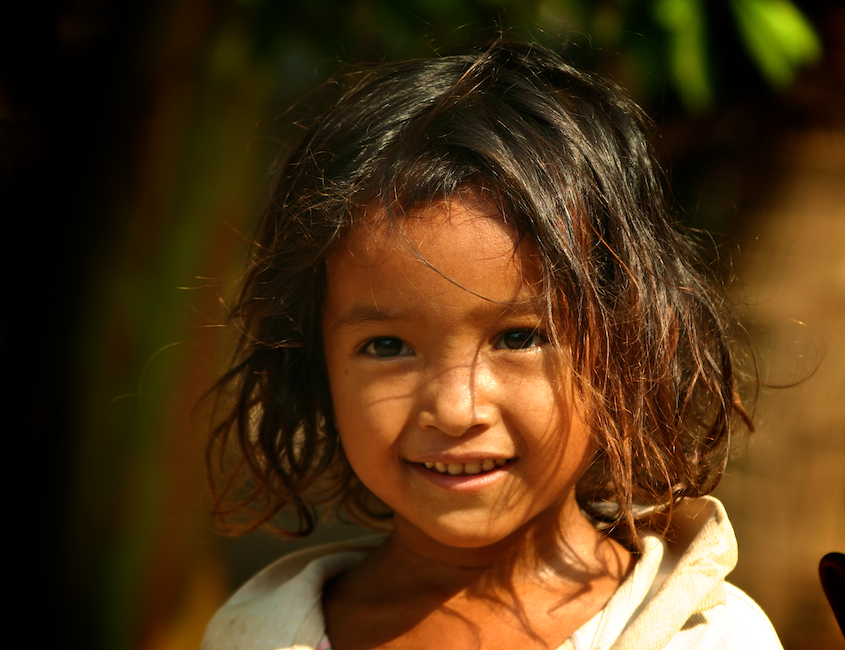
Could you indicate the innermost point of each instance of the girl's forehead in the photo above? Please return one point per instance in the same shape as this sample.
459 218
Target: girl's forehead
464 220
441 253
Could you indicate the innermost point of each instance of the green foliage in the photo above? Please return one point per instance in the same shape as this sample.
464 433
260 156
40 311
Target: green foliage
778 37
654 39
686 31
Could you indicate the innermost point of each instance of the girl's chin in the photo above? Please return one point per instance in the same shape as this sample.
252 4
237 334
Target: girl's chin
461 530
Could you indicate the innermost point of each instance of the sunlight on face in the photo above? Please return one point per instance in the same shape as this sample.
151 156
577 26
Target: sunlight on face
450 401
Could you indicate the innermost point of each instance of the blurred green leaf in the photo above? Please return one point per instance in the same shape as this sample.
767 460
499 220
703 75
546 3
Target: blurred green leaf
778 37
685 24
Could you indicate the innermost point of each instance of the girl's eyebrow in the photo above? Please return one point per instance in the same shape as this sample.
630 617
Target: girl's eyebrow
371 313
365 313
531 305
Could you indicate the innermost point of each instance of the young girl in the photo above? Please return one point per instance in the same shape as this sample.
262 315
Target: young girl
471 320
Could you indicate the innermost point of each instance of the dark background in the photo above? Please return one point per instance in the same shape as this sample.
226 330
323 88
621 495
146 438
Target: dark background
137 141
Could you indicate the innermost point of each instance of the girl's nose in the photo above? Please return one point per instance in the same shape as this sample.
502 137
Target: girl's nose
457 400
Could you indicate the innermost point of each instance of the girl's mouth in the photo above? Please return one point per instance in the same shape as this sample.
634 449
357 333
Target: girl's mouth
470 468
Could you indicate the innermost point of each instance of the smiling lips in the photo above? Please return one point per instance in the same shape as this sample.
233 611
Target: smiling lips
473 467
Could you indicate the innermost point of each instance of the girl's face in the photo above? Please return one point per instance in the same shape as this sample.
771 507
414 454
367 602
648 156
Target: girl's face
452 406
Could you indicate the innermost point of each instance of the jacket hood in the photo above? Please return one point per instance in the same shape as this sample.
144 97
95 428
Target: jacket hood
675 579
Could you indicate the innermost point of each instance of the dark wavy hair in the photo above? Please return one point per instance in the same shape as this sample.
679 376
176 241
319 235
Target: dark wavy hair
567 159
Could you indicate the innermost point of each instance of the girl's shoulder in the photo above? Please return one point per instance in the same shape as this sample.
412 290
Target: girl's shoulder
737 623
280 607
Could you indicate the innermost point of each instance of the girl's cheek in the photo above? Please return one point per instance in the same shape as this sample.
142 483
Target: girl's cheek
379 401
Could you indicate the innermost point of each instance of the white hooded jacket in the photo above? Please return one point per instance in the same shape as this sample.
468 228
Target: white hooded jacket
675 598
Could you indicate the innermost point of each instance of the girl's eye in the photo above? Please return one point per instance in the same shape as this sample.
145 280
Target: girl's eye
520 339
386 347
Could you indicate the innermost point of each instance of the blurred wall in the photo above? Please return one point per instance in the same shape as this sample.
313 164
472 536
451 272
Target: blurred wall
785 489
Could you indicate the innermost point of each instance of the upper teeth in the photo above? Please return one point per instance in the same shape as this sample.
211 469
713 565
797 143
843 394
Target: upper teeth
473 467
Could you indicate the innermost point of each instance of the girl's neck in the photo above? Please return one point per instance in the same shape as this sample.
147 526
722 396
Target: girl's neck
530 590
561 547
